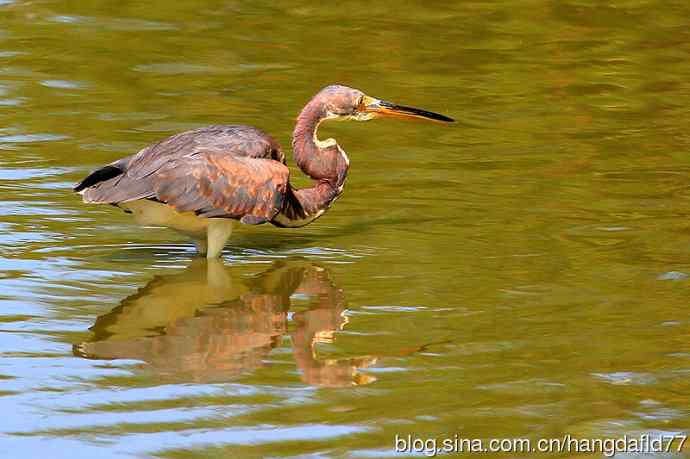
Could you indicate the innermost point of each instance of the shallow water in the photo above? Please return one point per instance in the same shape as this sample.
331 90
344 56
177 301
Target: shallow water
523 273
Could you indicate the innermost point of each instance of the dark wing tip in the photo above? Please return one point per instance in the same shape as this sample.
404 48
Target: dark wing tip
97 176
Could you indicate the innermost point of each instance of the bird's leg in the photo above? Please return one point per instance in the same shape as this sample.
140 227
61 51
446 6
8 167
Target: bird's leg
218 233
219 281
201 246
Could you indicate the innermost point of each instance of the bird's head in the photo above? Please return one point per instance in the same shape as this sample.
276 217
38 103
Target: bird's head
341 102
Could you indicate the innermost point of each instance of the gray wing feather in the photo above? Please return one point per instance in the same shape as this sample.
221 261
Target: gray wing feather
233 140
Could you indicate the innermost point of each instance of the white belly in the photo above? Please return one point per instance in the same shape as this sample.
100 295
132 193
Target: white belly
152 213
209 234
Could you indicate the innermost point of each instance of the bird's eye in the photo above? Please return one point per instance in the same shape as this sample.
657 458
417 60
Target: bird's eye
360 101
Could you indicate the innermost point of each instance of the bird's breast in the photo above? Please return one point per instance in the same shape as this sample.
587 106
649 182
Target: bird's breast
286 220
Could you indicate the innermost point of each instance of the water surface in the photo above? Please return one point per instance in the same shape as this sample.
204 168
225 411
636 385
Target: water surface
522 273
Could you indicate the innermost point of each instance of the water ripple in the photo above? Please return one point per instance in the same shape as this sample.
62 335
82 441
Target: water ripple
30 138
62 84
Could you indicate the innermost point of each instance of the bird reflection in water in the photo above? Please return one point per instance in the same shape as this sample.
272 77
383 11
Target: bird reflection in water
209 323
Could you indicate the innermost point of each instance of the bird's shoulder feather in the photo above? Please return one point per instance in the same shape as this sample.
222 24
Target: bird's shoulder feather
232 140
217 185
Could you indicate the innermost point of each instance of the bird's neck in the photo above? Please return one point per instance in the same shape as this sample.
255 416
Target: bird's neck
323 161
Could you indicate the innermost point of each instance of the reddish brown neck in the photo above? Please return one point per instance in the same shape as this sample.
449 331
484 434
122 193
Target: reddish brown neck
324 162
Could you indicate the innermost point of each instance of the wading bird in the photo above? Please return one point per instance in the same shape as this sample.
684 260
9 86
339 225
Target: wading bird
199 181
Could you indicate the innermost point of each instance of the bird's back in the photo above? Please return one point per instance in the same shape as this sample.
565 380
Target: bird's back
234 140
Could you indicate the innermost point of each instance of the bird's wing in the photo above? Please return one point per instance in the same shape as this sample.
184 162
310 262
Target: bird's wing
216 171
219 185
240 141
122 175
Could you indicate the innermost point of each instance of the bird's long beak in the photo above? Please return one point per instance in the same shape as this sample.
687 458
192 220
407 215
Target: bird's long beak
375 107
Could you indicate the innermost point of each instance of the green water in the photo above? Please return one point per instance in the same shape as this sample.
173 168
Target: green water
522 273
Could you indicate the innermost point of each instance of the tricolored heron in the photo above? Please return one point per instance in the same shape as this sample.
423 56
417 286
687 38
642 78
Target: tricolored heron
199 181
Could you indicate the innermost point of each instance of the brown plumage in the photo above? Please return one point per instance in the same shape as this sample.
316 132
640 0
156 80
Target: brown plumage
194 181
215 171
